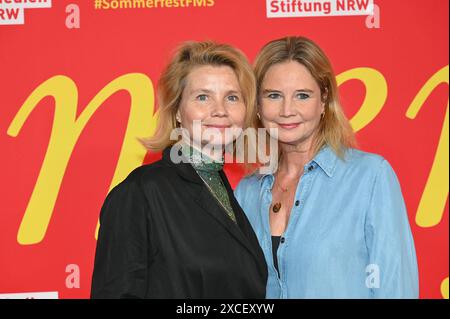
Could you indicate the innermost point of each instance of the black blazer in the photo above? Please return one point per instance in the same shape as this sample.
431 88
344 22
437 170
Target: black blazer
163 235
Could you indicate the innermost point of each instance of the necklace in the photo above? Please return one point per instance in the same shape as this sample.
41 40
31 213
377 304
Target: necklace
277 206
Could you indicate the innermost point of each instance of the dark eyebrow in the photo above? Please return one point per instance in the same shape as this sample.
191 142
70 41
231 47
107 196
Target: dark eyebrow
233 92
277 91
270 91
306 90
201 91
211 92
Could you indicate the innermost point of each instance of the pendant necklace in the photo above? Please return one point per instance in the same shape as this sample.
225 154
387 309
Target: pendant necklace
277 206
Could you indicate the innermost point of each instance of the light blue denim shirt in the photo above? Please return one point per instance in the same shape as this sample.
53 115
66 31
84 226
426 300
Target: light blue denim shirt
348 234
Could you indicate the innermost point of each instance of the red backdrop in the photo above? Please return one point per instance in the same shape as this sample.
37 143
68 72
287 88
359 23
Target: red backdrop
62 149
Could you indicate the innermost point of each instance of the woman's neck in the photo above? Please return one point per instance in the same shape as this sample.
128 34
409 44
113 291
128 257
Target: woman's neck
214 154
293 159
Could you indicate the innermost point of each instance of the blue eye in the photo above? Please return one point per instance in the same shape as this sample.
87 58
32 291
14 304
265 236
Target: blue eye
202 97
233 98
274 96
302 96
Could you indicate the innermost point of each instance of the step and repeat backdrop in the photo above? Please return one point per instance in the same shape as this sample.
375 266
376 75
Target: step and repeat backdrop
78 84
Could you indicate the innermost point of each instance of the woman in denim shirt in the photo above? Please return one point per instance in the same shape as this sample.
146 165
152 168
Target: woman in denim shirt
331 219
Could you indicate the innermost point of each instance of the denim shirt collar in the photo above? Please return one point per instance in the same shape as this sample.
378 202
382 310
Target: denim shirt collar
326 159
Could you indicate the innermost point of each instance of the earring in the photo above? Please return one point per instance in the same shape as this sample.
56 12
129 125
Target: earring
259 116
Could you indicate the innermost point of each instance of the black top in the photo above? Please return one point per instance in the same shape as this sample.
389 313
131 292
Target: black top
163 235
275 245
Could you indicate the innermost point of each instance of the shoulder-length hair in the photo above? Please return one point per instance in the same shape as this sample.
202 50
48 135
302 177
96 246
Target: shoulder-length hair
334 128
173 81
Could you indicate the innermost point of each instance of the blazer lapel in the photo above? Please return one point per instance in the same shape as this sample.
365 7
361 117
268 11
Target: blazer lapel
210 205
243 221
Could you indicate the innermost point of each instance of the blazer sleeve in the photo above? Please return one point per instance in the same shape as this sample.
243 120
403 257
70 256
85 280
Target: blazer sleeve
121 258
392 270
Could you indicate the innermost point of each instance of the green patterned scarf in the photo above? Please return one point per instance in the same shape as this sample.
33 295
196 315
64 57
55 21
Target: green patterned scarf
208 169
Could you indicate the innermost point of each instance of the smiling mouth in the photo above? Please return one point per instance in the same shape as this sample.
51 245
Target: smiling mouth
220 127
289 125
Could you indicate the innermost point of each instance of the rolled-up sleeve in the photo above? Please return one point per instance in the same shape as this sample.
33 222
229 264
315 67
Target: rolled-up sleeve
392 270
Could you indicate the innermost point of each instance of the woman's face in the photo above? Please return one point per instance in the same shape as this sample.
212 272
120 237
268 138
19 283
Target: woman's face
290 101
212 95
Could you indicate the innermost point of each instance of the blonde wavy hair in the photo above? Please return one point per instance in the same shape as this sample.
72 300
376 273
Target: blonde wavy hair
173 81
334 128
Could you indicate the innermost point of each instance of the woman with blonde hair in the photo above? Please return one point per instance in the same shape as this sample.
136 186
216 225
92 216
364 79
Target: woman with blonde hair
173 229
331 220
